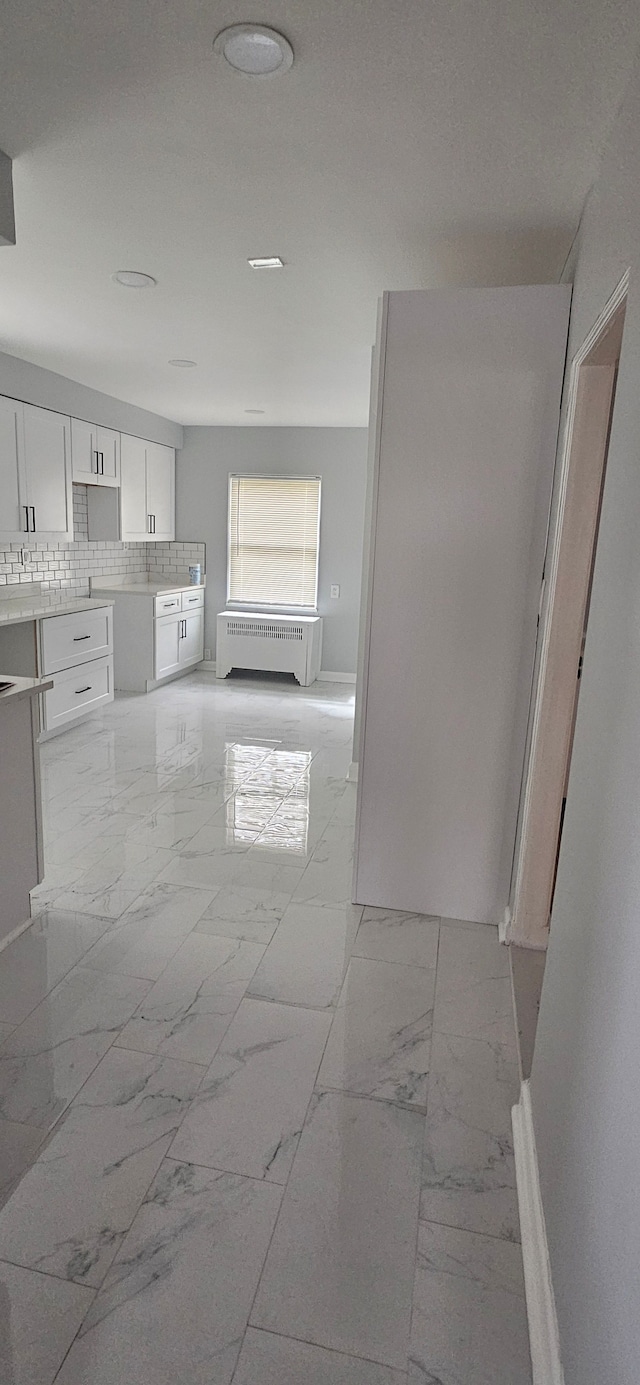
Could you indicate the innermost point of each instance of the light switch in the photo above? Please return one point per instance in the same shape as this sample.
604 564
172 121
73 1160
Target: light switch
335 590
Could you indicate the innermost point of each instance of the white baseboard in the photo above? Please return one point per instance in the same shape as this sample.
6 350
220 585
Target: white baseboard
504 926
15 933
209 666
352 772
541 1309
326 677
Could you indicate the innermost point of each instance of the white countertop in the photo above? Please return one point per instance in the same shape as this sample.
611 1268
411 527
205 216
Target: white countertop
15 609
23 687
145 588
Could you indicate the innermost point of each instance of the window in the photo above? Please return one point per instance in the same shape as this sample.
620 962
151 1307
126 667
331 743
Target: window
274 523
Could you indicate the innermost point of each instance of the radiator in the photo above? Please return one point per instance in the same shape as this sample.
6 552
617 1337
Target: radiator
278 644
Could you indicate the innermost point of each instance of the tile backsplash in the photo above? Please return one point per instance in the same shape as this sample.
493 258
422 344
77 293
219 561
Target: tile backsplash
68 567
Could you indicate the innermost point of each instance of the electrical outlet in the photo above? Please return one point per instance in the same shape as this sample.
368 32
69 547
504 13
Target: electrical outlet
207 655
335 591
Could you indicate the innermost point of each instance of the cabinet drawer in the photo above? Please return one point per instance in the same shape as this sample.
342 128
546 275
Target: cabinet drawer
78 690
192 599
71 640
165 605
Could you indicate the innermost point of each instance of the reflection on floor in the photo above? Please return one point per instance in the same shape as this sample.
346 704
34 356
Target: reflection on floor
263 1135
527 974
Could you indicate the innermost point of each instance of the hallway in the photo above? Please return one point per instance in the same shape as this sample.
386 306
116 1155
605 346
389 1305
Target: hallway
249 1132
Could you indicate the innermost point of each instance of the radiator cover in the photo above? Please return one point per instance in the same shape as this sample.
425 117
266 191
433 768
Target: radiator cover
277 644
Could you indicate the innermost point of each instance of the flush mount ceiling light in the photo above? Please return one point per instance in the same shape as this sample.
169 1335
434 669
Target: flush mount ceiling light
254 49
184 365
133 279
267 262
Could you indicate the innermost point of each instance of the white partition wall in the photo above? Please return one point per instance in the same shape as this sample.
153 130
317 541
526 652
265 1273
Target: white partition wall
467 419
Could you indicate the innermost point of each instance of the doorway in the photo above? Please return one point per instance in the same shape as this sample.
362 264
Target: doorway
564 612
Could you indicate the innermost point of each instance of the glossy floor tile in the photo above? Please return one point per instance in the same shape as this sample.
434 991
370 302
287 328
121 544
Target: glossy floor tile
267 1359
306 960
39 1318
249 1112
48 1058
230 1100
469 1323
73 1207
389 936
380 1040
241 912
39 958
473 993
468 1176
341 1264
187 1012
175 1303
149 932
18 1146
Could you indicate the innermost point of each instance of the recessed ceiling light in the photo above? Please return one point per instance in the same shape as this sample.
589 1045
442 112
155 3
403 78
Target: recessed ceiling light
254 411
267 262
133 279
254 49
183 365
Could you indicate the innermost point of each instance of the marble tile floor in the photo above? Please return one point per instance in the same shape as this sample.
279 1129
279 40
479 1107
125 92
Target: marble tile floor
250 1133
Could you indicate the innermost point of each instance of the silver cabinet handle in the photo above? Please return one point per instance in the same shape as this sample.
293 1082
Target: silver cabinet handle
26 515
76 638
97 468
81 690
33 517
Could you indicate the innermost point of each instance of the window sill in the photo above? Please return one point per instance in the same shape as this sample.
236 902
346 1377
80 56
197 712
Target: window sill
272 610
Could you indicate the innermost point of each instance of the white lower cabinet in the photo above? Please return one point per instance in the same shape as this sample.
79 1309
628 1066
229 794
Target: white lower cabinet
167 646
73 639
191 645
77 691
77 650
179 642
21 845
157 635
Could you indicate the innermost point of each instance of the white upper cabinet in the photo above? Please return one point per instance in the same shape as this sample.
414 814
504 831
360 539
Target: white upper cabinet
133 489
95 454
13 512
109 455
48 472
35 469
143 509
161 465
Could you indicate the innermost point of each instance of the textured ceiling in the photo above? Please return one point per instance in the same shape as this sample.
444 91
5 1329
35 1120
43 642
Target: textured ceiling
411 144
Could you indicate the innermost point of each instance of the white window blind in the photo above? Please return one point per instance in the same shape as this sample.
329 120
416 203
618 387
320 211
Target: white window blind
273 540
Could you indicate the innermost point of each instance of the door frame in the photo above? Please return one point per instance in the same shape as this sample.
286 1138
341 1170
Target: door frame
564 606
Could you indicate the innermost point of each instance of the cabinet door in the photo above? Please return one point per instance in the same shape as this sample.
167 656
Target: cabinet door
109 457
13 500
192 640
48 473
161 463
84 452
168 641
133 504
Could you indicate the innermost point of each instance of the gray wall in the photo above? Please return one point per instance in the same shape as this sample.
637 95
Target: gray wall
339 456
585 1080
21 380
